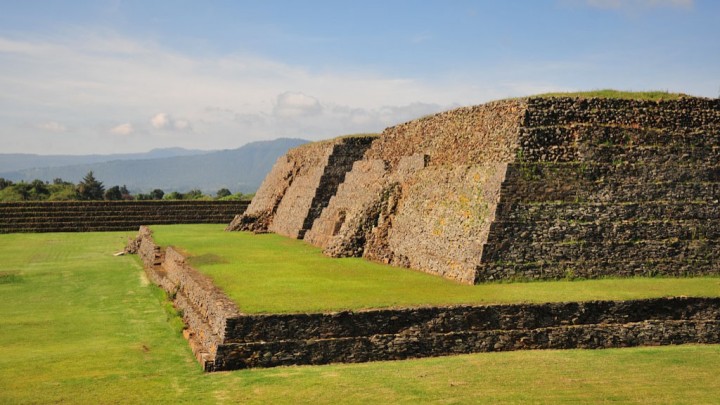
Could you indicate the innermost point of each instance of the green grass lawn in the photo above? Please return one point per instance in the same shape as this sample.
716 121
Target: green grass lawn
273 274
80 326
610 93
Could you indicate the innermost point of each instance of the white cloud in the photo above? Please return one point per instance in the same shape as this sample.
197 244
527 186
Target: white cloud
208 102
182 125
160 121
166 122
300 115
224 101
123 129
291 105
53 126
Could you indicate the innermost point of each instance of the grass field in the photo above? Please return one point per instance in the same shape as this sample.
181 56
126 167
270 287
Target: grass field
273 274
80 326
610 93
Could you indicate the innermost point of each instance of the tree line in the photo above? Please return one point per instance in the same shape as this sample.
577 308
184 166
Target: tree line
90 188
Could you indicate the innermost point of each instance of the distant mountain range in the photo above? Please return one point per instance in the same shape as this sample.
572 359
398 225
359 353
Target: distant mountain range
11 162
172 169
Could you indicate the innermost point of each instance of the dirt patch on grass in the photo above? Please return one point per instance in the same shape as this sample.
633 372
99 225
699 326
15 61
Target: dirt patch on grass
206 259
10 277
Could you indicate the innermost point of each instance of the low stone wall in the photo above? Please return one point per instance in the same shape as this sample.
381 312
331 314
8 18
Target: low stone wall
225 339
205 309
94 216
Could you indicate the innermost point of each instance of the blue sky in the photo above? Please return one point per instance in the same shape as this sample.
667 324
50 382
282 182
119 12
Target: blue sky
127 76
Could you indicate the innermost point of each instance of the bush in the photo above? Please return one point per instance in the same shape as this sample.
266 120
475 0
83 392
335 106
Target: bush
193 194
63 193
173 196
223 192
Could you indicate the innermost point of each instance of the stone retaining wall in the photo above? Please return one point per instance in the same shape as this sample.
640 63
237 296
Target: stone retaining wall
610 188
205 309
225 339
93 216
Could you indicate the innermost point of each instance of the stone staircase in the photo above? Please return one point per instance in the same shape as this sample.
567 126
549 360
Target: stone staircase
343 156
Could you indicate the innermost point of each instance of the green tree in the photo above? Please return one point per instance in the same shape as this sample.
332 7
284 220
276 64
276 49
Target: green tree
90 188
39 190
113 194
174 196
193 194
157 194
223 192
24 190
125 193
4 183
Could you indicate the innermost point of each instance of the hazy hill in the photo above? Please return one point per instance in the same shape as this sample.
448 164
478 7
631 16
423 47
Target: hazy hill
240 170
10 162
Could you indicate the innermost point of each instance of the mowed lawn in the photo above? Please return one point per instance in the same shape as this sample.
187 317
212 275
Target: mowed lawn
274 274
80 326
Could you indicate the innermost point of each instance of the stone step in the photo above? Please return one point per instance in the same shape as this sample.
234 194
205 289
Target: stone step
677 115
547 270
610 192
597 135
122 204
98 226
40 217
610 250
582 173
599 212
415 345
89 209
280 327
112 219
615 154
565 231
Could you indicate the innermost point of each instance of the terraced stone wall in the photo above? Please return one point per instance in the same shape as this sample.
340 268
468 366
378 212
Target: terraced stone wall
92 216
610 187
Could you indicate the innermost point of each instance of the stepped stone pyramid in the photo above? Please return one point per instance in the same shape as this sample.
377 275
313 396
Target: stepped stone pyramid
533 188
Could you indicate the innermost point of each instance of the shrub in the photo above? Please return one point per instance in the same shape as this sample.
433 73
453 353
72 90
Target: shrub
223 192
